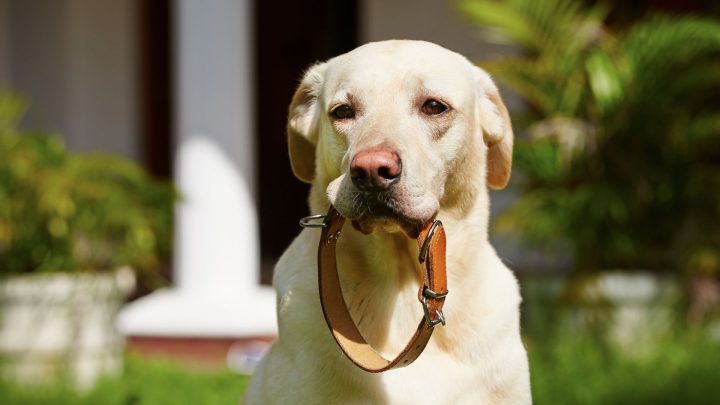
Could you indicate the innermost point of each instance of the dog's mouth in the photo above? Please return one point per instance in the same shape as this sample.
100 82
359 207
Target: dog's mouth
386 216
367 225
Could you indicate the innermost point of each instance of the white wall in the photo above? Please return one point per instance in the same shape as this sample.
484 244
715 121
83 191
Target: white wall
430 20
77 62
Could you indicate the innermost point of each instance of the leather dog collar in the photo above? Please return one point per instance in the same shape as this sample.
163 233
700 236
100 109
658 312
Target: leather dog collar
431 245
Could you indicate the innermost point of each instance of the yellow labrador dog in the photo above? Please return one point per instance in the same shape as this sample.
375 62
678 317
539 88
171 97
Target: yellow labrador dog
395 134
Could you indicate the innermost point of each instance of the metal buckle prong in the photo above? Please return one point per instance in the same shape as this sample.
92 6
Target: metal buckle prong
426 243
308 221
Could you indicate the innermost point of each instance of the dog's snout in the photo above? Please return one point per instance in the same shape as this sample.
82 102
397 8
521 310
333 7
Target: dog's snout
375 169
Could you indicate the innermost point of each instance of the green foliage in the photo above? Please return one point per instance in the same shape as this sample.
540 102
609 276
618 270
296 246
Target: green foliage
143 382
576 357
64 211
619 154
574 369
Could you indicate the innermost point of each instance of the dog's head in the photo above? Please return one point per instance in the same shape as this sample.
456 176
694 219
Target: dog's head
394 130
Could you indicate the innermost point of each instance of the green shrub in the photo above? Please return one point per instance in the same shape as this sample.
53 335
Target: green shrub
65 211
619 154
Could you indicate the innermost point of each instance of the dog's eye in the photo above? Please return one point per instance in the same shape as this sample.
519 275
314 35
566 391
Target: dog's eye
343 111
433 107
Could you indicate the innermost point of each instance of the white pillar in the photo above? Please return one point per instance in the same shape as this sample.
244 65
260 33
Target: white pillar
217 293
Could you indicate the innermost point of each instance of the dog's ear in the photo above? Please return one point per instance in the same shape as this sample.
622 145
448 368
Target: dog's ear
497 130
302 125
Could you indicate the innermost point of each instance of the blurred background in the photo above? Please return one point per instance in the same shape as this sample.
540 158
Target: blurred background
142 150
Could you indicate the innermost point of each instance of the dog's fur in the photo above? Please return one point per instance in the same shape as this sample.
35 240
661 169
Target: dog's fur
447 161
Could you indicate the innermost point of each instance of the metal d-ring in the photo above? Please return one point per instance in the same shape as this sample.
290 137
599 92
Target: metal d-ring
309 221
426 243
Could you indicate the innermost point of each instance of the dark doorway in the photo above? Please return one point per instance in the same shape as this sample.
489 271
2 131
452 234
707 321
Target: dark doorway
290 36
155 108
155 104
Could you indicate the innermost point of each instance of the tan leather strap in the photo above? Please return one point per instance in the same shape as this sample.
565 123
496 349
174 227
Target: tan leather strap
431 295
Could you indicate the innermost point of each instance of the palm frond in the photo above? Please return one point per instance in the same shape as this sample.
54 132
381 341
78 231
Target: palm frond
661 44
521 75
645 104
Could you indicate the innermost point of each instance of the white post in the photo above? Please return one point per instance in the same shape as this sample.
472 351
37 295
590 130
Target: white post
217 293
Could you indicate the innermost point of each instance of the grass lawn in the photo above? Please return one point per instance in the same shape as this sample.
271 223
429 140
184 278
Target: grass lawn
565 370
581 370
143 382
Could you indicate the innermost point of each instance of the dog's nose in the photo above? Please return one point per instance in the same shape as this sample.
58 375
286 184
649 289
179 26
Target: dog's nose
375 169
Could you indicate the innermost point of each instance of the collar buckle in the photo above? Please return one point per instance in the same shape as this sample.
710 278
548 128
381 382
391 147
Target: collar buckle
428 293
